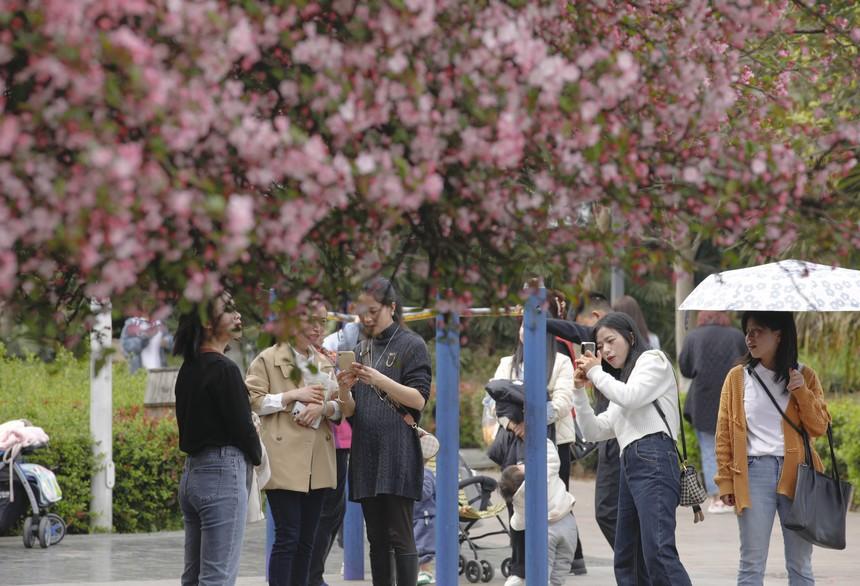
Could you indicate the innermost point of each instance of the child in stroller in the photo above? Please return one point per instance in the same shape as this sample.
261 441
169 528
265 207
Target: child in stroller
37 483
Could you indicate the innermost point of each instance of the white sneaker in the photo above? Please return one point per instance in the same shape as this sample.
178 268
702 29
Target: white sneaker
514 581
718 507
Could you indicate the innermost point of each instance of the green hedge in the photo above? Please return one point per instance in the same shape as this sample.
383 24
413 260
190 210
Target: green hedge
55 396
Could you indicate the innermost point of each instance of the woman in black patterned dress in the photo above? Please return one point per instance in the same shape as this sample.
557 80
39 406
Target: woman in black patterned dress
391 381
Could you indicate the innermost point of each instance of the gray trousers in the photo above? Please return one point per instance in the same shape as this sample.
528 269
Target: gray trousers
561 547
213 495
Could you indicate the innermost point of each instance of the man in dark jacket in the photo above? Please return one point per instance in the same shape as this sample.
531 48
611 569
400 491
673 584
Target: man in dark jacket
708 354
590 310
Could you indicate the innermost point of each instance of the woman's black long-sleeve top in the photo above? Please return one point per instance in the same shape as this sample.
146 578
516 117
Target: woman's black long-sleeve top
212 408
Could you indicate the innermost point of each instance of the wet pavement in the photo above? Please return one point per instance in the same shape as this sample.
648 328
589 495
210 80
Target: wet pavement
709 551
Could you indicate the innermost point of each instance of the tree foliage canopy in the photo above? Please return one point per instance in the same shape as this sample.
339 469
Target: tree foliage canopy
159 149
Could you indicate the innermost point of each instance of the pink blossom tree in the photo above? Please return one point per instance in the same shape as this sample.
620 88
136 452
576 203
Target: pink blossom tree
158 149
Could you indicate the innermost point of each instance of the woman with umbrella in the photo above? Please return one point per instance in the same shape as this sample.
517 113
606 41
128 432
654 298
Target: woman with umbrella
758 451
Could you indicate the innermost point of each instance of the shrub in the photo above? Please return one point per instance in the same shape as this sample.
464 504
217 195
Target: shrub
55 396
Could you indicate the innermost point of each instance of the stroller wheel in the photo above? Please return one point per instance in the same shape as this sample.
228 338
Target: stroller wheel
487 571
28 532
506 567
57 527
44 532
461 565
473 571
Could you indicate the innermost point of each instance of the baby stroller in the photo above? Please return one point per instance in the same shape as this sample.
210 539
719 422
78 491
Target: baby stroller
474 506
19 479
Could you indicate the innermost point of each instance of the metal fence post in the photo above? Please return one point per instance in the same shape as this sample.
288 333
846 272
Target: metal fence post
536 396
448 432
353 540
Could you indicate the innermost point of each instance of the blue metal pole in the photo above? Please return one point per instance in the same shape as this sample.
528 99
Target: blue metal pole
447 461
353 540
535 382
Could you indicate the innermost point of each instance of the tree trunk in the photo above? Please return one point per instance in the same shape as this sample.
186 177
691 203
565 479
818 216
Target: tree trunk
684 284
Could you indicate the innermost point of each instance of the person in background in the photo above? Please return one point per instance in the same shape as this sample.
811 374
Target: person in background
627 304
709 352
643 415
145 342
565 431
562 539
391 384
424 525
758 451
559 370
593 306
334 501
292 387
220 440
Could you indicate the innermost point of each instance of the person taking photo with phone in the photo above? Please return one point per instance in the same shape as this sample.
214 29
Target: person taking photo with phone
390 381
643 415
293 389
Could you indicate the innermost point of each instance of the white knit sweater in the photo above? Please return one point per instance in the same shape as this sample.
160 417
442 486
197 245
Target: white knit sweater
631 414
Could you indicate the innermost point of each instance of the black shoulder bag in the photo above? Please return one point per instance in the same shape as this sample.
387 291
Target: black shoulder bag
693 493
820 502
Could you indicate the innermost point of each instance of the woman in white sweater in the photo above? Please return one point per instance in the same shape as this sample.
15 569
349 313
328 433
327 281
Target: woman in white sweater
649 485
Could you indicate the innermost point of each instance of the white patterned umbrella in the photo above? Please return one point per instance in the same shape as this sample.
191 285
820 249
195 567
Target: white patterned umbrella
788 285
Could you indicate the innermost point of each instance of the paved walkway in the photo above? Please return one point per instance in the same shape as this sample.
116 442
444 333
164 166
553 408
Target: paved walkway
709 550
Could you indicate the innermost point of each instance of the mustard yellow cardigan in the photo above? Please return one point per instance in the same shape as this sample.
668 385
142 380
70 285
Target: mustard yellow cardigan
806 406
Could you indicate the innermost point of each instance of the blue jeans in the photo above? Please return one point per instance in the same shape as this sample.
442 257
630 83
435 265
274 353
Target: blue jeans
213 495
648 495
296 516
756 524
709 460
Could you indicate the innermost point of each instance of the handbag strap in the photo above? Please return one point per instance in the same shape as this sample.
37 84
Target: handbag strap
683 457
799 429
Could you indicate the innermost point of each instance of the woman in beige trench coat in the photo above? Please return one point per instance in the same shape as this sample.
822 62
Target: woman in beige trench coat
293 389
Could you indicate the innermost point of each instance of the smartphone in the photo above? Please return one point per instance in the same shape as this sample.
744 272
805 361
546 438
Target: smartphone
588 347
345 360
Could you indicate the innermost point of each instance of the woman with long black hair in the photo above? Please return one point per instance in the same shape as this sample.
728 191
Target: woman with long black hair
643 415
758 450
216 431
390 385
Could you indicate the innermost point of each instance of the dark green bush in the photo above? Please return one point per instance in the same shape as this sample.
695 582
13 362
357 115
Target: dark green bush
148 469
55 396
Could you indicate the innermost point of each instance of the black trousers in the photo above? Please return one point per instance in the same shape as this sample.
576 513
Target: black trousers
331 520
296 515
388 520
518 548
606 488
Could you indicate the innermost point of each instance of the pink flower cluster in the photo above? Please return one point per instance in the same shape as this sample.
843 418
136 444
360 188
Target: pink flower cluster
174 146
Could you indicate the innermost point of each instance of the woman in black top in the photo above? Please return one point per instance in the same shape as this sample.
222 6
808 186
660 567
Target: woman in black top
386 470
216 431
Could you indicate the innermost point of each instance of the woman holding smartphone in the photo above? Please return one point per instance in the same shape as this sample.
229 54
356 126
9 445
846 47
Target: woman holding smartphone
293 389
390 382
643 416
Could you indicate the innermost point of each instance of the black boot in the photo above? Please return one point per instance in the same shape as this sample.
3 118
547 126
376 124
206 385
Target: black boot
407 569
380 567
